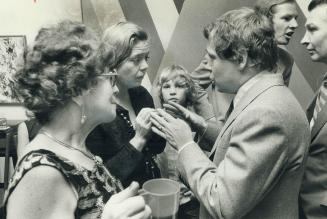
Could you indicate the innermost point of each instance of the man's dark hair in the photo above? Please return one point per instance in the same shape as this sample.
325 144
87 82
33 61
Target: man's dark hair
314 3
244 29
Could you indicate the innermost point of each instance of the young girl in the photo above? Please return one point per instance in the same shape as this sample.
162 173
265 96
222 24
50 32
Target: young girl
175 85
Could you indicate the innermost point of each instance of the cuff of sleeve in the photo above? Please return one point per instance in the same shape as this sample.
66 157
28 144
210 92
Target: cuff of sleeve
185 145
133 151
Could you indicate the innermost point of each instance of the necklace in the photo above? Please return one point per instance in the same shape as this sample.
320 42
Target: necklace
103 179
125 118
96 159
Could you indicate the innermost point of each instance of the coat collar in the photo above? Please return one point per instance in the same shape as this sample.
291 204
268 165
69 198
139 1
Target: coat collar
311 107
267 81
321 121
321 116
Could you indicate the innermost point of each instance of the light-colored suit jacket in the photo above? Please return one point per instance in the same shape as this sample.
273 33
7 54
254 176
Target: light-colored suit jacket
313 195
258 157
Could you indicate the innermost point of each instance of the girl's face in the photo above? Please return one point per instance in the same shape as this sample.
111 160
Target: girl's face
133 69
284 21
101 99
175 90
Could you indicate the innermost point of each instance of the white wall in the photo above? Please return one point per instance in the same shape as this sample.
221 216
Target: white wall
303 4
25 17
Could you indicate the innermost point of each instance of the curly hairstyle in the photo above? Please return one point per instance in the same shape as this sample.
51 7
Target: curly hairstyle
64 61
123 36
177 72
244 29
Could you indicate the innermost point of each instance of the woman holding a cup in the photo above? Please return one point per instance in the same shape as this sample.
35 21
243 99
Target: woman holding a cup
68 82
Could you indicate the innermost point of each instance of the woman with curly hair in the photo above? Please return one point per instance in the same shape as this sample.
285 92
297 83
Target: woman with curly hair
127 162
68 83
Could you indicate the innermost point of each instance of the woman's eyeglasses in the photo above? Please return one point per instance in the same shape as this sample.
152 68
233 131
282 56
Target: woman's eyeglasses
111 76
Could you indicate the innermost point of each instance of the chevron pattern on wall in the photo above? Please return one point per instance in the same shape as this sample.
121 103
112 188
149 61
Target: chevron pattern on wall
175 27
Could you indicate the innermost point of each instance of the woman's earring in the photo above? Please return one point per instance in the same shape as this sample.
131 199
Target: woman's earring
83 117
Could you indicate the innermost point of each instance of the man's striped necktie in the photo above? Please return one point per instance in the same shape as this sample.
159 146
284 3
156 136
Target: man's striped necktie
320 102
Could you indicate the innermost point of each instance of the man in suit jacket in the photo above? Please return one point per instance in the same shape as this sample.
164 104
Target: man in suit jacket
313 195
259 156
212 103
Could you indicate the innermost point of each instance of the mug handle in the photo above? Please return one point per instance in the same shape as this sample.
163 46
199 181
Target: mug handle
142 192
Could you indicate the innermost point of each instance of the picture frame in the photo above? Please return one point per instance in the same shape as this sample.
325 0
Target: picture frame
12 52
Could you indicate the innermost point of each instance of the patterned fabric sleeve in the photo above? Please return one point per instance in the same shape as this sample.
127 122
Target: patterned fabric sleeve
94 188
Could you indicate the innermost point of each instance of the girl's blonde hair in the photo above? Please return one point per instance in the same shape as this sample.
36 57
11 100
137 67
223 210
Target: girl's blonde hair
173 72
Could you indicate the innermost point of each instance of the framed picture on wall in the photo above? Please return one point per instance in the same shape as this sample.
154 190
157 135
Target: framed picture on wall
12 51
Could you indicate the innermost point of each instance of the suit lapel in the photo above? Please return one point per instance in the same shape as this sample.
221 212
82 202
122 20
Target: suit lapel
311 107
321 116
269 80
320 122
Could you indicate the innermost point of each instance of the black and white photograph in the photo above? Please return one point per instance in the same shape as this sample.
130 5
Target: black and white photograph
163 109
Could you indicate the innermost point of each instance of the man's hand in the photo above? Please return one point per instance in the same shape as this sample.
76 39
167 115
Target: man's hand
176 131
197 122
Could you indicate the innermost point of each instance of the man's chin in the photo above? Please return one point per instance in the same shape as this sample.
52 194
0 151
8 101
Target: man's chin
221 90
316 58
224 89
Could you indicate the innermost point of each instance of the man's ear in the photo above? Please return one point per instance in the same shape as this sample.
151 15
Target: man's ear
242 59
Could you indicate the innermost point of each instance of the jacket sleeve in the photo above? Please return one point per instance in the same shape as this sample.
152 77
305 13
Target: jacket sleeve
207 139
256 154
201 105
120 159
124 162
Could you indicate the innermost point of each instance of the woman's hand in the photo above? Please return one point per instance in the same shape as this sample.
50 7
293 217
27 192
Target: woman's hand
176 131
197 122
142 128
127 204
